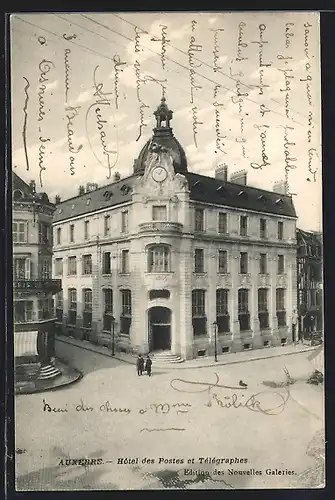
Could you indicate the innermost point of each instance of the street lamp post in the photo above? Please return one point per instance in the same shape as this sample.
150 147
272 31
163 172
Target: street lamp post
215 341
113 336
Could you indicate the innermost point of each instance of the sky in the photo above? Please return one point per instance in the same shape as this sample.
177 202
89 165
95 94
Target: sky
244 89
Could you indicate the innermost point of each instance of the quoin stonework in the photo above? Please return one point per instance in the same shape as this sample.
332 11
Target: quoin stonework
168 259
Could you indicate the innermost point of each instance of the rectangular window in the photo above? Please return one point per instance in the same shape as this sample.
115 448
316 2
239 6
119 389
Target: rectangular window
86 229
262 228
108 318
159 212
44 233
243 225
124 222
72 233
59 306
125 261
20 232
59 235
223 262
243 309
21 268
72 301
45 269
87 264
280 264
243 263
45 309
280 230
223 227
280 306
158 259
263 314
198 312
125 318
222 315
199 220
199 260
72 266
106 263
58 267
87 310
106 225
263 264
23 311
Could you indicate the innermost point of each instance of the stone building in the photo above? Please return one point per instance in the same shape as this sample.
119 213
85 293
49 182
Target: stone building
33 286
172 260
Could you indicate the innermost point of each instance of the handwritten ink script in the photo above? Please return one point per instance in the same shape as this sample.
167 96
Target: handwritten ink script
192 49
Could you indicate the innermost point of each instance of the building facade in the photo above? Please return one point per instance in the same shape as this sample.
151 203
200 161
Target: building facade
33 286
309 267
168 259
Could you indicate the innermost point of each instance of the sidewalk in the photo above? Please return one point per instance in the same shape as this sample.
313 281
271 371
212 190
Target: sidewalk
67 376
223 359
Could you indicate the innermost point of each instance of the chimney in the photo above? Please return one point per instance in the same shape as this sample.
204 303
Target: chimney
57 199
32 185
280 187
239 177
221 172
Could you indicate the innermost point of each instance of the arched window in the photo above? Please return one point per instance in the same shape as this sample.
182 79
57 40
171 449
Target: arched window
158 259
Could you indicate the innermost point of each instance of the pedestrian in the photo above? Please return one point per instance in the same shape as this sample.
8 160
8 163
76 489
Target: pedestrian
140 364
294 325
148 364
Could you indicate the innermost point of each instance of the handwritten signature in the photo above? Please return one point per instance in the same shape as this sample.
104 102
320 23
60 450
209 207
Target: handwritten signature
24 128
102 99
266 402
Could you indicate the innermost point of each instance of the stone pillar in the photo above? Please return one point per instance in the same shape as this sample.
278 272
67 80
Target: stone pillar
186 340
233 301
273 321
254 319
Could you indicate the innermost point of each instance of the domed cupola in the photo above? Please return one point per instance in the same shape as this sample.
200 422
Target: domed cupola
162 138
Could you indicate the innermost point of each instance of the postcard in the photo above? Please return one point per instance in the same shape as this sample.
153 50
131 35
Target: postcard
167 250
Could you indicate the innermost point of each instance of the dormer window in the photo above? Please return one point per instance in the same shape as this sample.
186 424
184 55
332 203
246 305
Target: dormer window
221 190
242 193
17 194
88 201
279 201
108 195
197 184
125 189
261 198
73 207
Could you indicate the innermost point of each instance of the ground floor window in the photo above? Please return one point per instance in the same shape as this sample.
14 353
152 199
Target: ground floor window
108 318
23 311
280 306
263 313
45 308
72 300
125 317
243 309
59 306
199 319
87 311
222 315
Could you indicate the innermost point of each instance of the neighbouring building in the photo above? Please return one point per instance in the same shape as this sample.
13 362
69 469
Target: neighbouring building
172 260
33 286
309 281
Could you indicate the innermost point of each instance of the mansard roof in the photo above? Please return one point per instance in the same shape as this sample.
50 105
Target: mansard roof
106 196
202 189
230 194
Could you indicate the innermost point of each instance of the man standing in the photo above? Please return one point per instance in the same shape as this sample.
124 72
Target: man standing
140 364
294 325
148 364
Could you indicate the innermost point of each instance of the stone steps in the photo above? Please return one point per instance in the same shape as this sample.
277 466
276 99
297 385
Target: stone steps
48 372
165 357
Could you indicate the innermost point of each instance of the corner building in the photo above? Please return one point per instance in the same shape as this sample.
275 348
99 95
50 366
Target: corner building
171 259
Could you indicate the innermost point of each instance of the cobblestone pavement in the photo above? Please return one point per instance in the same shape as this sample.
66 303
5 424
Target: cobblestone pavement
167 425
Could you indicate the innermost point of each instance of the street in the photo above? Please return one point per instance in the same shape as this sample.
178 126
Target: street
180 428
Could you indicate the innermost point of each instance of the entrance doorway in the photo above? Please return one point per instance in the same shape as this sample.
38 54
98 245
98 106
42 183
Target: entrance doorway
159 328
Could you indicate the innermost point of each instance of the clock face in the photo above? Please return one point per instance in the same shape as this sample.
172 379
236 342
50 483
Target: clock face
159 174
